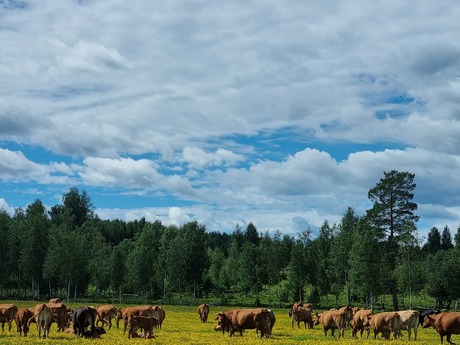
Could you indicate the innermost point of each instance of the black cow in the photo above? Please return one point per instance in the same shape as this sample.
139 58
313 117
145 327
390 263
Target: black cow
83 317
425 312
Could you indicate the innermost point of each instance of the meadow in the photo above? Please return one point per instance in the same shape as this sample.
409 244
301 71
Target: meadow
182 326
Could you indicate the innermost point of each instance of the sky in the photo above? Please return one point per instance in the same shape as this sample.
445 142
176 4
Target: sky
280 113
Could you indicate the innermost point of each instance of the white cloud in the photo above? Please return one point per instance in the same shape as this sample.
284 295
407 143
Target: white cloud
181 98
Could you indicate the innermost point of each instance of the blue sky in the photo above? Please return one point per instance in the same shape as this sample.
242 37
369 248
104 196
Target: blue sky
278 113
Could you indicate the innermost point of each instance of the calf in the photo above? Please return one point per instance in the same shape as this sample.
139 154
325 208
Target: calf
7 315
144 322
445 324
224 320
55 300
332 320
126 313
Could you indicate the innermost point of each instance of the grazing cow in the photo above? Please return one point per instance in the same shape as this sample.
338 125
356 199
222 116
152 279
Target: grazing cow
251 319
7 315
203 311
224 320
43 317
160 314
144 322
22 318
83 317
55 300
385 323
446 324
301 314
409 322
126 313
358 322
105 314
332 320
59 315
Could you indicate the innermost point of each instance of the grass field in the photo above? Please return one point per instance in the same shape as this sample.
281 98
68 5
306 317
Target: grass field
182 326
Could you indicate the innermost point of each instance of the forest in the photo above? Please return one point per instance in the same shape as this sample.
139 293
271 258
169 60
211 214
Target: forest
68 251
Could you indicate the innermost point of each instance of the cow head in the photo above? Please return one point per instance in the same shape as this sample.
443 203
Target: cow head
367 320
428 321
317 319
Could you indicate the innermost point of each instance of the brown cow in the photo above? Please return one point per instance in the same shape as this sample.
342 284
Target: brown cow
59 315
409 321
203 311
105 314
144 310
22 318
7 315
160 314
385 323
251 319
43 317
301 314
224 320
358 322
55 300
332 320
144 322
300 304
348 314
446 324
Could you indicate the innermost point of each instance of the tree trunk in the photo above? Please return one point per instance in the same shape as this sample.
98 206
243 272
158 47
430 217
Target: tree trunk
279 292
395 297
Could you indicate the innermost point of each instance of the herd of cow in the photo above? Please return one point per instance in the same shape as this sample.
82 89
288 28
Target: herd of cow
358 320
145 318
148 317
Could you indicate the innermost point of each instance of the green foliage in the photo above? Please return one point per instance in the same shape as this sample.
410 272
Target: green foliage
357 260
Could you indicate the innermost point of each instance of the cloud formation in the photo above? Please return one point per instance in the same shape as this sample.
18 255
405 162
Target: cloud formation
283 114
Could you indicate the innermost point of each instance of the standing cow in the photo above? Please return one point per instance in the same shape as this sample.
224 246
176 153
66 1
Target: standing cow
358 322
409 321
301 314
385 323
203 311
43 317
160 314
251 319
83 317
445 324
59 315
105 314
7 315
332 320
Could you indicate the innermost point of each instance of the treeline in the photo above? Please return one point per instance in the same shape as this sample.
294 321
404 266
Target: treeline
70 252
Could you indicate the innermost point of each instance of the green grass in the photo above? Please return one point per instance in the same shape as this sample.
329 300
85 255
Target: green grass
182 326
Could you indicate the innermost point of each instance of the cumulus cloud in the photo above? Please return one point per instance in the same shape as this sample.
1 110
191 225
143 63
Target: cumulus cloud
240 111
